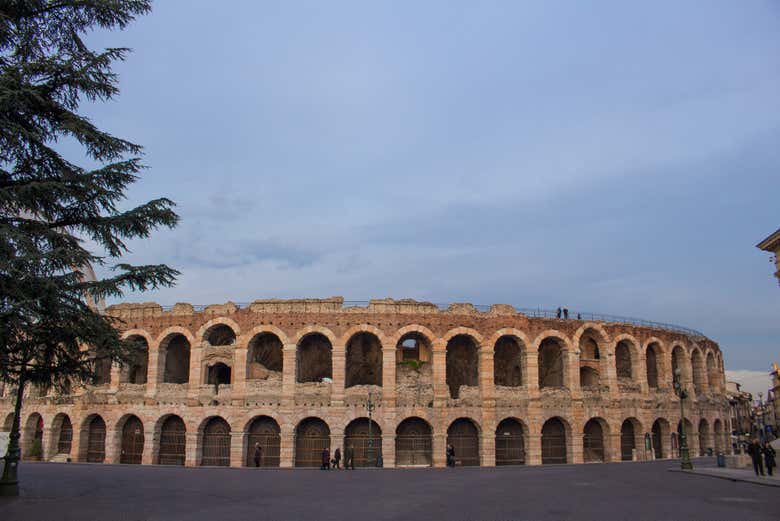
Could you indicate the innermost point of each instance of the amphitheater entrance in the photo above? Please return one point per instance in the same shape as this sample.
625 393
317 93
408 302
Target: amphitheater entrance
176 350
550 363
553 442
704 437
658 432
720 436
216 443
699 372
413 443
510 444
368 449
263 431
464 438
96 440
363 360
132 441
311 436
314 358
135 372
33 438
462 364
173 441
593 442
65 437
627 441
508 362
590 359
264 356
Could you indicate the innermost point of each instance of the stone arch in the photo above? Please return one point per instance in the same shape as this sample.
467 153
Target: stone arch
704 437
220 331
679 364
413 443
699 371
510 442
367 449
589 378
509 366
265 357
594 436
654 366
591 343
555 445
62 434
363 364
130 430
552 350
721 437
630 438
309 330
172 440
593 328
271 329
713 375
262 431
660 433
101 366
175 358
626 357
312 435
135 372
467 331
218 372
463 436
414 343
314 358
215 442
32 440
93 439
462 361
8 422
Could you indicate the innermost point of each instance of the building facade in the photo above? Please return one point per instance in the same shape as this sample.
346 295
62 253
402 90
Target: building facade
772 245
210 385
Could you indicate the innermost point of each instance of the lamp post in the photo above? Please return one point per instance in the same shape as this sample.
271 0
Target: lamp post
760 416
685 457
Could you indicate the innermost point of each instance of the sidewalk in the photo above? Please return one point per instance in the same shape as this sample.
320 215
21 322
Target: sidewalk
744 475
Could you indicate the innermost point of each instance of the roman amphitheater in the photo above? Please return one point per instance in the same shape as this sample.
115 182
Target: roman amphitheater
503 386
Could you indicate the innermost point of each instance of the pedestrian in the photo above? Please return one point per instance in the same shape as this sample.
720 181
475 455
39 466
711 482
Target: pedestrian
755 452
337 458
579 317
565 313
349 458
558 312
325 459
258 454
769 458
450 455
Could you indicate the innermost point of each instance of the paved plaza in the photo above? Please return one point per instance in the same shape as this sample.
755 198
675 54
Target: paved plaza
620 491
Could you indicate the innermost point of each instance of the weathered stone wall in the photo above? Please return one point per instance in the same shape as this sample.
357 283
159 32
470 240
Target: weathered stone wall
407 389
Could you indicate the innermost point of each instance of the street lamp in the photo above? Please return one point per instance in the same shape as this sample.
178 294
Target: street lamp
760 416
685 457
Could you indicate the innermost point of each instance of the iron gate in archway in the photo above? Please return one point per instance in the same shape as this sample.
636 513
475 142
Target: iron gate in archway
132 441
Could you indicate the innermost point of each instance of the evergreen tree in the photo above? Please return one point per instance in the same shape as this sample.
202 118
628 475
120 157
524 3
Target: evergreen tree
57 219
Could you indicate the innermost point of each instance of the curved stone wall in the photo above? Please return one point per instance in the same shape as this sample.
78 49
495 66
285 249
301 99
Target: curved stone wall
295 375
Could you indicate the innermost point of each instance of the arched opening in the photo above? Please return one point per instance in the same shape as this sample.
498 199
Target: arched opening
218 374
720 436
462 364
652 357
713 376
65 438
264 357
413 443
314 358
8 423
589 377
463 436
623 363
590 359
593 441
510 443
553 442
135 371
175 350
216 443
413 346
627 441
264 433
132 441
659 430
33 438
102 367
173 441
697 363
679 366
368 449
220 335
551 363
363 360
508 362
704 437
413 370
312 435
96 440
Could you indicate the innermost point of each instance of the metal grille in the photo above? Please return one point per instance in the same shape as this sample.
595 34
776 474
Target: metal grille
657 443
216 446
132 442
96 441
510 450
593 447
367 450
553 449
627 442
269 443
308 450
173 443
413 451
66 437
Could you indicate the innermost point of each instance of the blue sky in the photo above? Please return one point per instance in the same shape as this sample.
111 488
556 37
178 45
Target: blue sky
615 157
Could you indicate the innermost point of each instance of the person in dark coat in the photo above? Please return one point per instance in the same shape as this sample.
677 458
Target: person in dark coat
258 454
755 451
565 313
769 458
337 458
450 455
349 458
325 459
558 313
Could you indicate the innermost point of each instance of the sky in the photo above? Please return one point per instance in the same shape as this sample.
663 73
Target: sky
613 157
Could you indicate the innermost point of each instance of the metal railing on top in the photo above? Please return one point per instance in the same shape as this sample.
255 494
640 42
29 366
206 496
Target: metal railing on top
530 312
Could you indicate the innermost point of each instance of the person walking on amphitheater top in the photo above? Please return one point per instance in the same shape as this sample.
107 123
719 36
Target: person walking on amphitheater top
565 313
558 312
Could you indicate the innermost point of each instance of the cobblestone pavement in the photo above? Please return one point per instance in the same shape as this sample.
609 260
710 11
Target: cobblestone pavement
635 491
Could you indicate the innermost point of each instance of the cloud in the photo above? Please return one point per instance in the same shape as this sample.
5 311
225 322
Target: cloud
753 382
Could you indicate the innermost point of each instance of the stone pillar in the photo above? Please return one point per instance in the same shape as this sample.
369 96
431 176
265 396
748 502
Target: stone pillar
439 450
288 374
239 374
116 373
640 372
237 448
440 391
148 457
388 449
113 444
531 378
339 375
571 360
487 385
337 440
196 358
610 376
533 445
154 369
388 375
49 443
574 446
287 446
487 446
192 450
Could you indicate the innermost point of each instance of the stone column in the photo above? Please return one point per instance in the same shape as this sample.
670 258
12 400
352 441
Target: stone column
148 457
286 446
388 449
154 369
487 385
288 374
610 377
239 374
487 445
388 375
439 449
113 444
640 372
571 360
192 450
531 378
440 391
237 448
116 372
533 445
49 443
574 446
196 358
339 375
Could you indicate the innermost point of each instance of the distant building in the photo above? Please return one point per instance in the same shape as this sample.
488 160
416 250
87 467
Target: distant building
741 403
772 245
